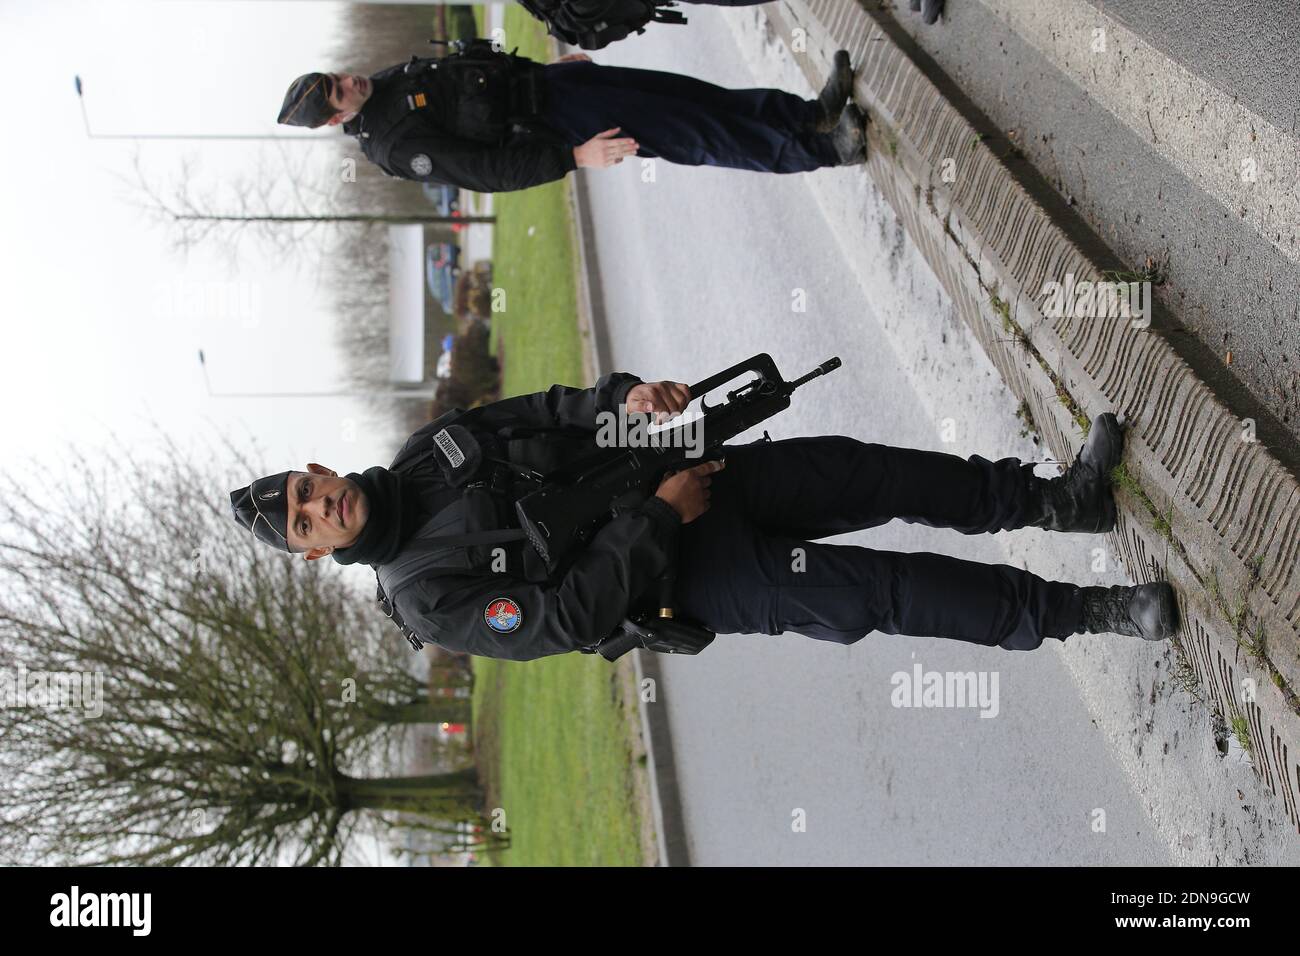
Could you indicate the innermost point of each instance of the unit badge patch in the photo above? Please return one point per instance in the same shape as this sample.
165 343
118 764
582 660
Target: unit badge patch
503 615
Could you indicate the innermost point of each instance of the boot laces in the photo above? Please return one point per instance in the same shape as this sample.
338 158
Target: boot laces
1109 610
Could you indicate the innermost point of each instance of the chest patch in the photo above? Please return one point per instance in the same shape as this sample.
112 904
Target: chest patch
503 615
421 164
450 448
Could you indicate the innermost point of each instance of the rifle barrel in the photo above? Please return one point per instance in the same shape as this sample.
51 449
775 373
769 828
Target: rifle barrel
830 365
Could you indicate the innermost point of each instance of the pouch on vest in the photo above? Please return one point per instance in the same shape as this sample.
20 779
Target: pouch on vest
594 24
464 534
475 511
460 537
482 513
487 91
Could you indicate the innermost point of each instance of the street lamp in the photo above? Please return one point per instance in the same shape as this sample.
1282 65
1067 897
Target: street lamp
85 120
426 394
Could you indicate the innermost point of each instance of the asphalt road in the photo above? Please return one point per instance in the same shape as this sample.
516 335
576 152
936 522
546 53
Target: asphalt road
700 268
1246 48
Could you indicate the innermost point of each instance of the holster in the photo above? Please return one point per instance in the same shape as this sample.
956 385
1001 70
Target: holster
664 635
659 631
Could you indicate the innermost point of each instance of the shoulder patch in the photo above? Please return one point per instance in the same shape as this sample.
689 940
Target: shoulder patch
503 615
421 164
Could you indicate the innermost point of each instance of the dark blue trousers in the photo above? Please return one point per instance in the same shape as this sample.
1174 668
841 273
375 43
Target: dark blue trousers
750 563
685 120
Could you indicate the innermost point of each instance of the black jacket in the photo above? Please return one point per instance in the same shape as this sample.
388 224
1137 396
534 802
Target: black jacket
429 144
582 602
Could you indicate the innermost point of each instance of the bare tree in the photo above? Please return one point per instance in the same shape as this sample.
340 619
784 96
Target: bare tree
300 195
252 705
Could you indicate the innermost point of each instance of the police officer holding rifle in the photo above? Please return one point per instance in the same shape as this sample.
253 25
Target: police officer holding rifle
517 530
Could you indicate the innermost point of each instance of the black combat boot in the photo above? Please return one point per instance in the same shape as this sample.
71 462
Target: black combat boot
850 136
1080 499
1148 611
836 92
929 11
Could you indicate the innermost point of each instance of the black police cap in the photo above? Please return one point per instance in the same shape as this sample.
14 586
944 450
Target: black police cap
307 102
263 508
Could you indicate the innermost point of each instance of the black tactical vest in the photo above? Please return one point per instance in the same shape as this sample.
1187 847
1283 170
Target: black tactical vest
492 470
478 94
594 24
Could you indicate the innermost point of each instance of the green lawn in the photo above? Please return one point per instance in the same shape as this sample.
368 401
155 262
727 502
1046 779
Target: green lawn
532 267
549 734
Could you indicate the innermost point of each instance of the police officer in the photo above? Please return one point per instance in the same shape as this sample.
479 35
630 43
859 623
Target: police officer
489 121
729 529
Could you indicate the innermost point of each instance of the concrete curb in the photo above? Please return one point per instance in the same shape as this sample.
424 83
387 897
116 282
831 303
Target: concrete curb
1211 500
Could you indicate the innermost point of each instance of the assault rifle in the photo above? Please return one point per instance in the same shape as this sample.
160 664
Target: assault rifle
575 501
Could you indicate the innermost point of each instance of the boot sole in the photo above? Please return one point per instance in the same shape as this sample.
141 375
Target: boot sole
1110 423
828 124
860 156
1167 622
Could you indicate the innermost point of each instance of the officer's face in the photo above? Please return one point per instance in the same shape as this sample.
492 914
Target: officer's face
325 511
348 92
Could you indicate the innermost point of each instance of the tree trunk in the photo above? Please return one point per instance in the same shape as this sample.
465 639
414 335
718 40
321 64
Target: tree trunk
453 710
451 793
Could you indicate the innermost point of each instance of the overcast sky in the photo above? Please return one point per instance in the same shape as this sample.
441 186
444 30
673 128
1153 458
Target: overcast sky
102 317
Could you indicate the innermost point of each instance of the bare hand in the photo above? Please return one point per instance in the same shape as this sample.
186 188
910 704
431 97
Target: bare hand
601 151
569 57
665 399
687 492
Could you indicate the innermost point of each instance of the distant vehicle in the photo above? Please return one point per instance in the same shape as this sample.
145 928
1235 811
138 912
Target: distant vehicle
446 199
441 267
444 255
443 370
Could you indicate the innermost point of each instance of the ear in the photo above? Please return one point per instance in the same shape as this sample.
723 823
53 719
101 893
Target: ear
315 554
316 469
